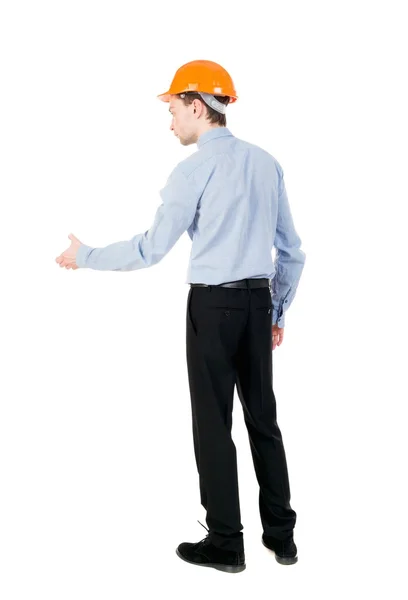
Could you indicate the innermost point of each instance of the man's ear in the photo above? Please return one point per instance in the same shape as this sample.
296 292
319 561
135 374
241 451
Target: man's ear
196 104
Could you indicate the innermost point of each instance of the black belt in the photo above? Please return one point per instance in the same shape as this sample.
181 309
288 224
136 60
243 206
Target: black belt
242 283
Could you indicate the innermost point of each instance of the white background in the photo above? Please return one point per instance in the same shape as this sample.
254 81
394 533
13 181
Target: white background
97 473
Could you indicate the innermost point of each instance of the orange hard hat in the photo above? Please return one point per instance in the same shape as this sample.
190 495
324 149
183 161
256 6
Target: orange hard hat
201 76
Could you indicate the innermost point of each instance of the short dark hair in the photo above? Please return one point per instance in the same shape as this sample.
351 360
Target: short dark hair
213 116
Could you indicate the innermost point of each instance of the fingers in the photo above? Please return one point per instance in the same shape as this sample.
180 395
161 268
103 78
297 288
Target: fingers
277 338
67 263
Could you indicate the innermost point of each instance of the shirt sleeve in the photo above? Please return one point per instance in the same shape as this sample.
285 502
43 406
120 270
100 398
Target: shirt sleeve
173 217
290 259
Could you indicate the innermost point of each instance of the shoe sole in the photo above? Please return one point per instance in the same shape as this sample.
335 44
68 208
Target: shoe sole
287 560
218 566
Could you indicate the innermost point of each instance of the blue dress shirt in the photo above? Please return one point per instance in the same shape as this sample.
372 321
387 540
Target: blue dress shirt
230 197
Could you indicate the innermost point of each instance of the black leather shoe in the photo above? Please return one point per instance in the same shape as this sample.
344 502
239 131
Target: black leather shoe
205 554
285 550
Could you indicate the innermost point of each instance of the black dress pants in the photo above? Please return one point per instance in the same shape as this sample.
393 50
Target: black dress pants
229 342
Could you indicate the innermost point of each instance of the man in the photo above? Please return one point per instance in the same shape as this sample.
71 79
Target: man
230 197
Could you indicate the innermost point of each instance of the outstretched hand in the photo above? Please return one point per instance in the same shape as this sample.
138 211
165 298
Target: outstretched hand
67 258
277 336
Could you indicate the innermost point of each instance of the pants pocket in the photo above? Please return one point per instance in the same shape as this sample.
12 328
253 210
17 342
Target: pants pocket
267 309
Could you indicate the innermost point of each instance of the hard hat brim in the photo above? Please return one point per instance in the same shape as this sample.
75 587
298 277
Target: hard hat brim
164 97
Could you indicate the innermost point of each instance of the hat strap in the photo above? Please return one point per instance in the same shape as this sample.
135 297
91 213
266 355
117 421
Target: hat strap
213 102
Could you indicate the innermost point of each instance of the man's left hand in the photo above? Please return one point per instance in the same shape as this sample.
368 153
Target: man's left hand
67 258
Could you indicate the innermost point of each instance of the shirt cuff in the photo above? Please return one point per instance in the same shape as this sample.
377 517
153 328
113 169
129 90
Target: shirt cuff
278 317
82 255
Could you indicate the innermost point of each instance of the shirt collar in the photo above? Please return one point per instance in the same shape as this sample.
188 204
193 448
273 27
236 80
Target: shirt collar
212 134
